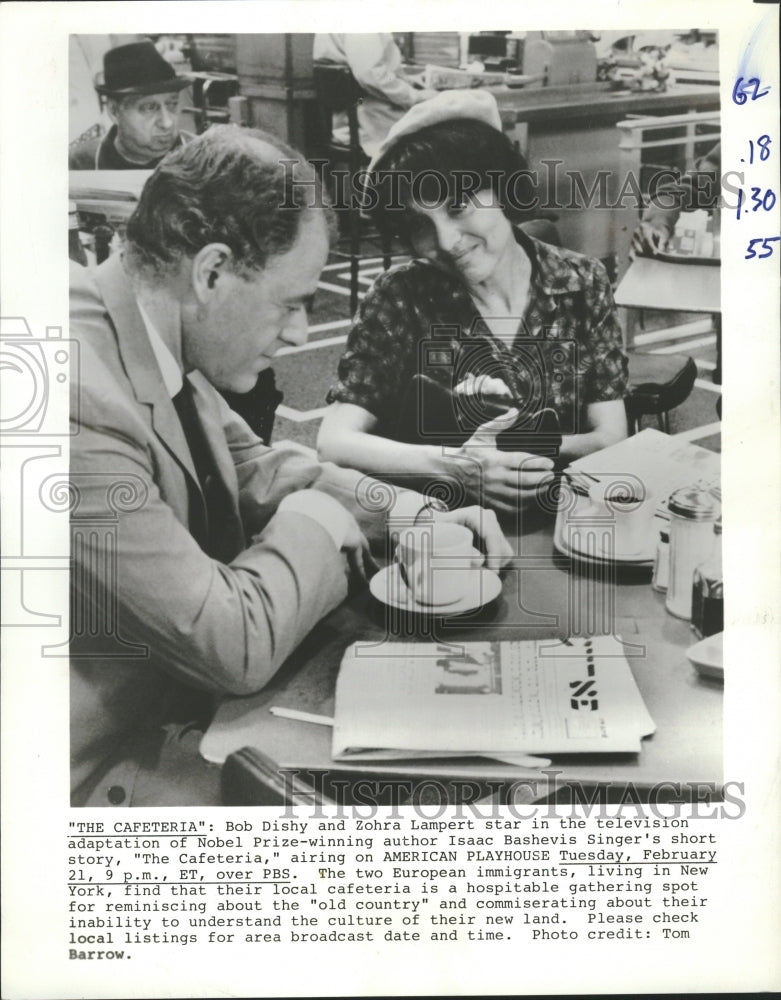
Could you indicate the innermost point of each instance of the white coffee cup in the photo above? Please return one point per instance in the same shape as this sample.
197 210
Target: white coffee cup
629 512
438 562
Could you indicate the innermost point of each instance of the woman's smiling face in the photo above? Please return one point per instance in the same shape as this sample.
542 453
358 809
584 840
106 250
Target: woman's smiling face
470 239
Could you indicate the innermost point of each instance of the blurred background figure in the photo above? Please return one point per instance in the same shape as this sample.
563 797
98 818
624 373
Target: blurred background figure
376 63
141 90
697 189
172 50
85 60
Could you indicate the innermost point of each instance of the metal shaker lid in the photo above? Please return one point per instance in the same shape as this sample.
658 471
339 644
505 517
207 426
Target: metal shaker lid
694 504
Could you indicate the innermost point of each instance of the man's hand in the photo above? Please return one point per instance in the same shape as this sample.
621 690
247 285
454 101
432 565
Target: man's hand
503 480
486 528
648 240
340 524
355 549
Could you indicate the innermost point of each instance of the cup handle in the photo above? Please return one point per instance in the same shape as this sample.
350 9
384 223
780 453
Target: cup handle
412 575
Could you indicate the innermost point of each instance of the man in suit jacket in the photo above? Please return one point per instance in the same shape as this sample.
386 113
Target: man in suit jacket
227 552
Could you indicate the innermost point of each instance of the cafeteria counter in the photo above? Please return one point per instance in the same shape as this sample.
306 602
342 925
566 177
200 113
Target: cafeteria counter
576 126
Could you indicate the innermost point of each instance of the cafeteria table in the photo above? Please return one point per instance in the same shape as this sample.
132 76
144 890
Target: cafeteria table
545 595
667 284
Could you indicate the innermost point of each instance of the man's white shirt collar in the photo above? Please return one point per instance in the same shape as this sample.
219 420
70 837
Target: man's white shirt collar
318 506
166 362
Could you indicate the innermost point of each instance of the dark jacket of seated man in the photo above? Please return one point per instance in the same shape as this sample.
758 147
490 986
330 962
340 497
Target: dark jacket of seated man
101 153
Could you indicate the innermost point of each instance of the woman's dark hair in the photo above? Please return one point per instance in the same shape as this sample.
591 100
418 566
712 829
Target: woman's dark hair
236 186
448 160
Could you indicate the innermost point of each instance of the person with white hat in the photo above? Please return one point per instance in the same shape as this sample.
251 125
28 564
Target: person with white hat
142 94
501 322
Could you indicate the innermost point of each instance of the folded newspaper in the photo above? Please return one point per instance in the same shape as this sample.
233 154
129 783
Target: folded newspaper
660 462
490 699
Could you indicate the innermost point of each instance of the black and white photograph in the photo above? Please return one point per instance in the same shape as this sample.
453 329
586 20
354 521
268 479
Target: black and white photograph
444 242
396 364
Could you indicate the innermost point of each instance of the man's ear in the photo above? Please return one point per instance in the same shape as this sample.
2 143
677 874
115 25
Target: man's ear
209 266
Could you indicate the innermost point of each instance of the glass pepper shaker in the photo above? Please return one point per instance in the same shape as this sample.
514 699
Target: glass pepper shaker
692 513
708 592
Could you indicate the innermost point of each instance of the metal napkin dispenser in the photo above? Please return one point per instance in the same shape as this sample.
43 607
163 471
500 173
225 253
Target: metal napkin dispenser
560 57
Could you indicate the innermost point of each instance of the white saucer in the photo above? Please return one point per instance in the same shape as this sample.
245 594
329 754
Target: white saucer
708 656
595 558
561 544
387 586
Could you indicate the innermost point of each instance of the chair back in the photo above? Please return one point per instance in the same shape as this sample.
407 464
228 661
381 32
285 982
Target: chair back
336 88
258 406
250 778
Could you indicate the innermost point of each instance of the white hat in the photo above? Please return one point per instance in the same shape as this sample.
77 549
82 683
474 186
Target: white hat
475 104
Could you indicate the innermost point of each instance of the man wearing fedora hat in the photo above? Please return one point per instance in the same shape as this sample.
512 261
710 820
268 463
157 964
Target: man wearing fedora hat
142 94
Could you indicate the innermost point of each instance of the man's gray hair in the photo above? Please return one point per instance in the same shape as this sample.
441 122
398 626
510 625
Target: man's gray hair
241 187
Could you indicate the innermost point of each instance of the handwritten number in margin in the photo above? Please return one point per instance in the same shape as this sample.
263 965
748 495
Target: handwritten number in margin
767 245
739 90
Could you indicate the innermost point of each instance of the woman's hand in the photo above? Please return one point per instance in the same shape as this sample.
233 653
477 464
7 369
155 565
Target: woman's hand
483 523
360 563
484 386
502 480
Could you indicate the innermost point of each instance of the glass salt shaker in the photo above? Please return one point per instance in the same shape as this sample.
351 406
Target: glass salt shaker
708 592
692 513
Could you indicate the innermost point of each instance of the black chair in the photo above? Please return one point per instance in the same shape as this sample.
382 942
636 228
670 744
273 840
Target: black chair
211 93
258 406
337 90
250 778
657 384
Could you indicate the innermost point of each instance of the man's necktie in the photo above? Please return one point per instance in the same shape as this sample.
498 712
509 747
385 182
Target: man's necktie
212 531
